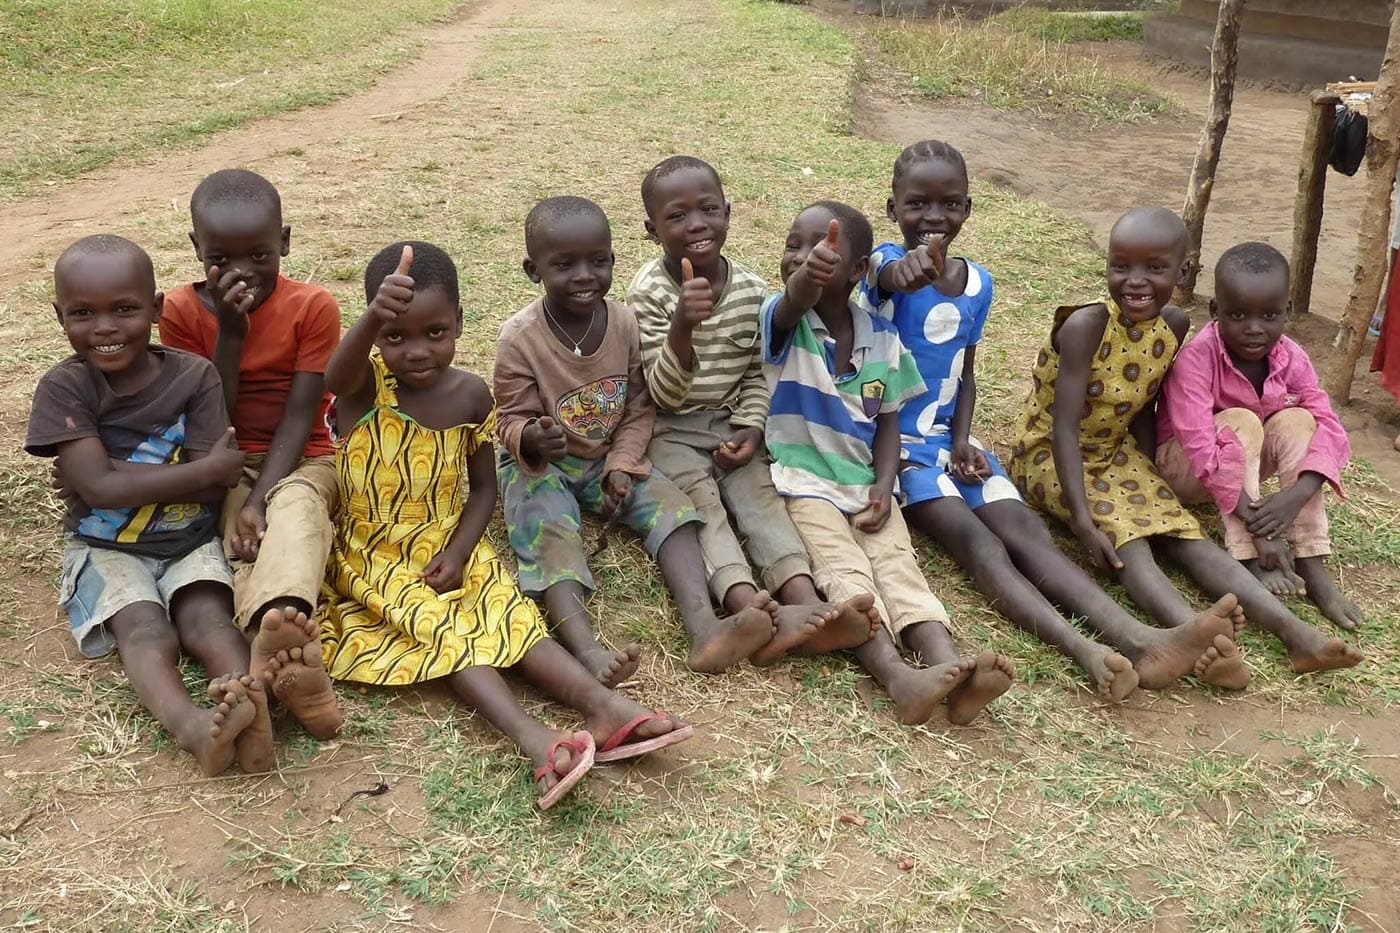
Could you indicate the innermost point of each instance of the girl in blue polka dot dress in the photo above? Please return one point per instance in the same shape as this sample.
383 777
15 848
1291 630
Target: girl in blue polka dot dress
953 489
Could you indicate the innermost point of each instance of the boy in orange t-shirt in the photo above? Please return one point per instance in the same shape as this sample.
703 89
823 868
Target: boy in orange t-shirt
270 339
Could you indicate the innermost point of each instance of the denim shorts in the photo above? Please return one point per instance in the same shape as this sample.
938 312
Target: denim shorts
100 582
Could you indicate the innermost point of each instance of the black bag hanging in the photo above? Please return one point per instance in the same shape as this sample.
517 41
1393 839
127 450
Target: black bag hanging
1348 140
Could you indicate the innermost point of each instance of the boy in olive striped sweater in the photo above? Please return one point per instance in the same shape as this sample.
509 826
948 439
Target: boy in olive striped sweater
701 352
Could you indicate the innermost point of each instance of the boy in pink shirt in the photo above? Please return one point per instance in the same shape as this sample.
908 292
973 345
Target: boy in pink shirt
1242 403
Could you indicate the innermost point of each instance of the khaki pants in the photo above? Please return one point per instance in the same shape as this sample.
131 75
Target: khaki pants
292 558
1279 445
847 562
683 450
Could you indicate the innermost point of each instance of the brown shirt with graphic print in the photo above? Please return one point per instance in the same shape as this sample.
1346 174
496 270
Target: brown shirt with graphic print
600 398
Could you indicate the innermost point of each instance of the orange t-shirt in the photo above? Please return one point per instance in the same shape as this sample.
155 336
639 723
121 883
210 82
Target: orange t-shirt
294 331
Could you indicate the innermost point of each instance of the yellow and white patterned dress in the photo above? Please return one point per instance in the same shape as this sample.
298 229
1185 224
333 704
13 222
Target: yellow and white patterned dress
402 489
1127 497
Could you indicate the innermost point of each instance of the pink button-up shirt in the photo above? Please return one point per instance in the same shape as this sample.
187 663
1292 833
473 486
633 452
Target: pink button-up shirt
1204 382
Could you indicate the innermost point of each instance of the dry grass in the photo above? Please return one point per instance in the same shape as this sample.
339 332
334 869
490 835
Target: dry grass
1016 62
1185 810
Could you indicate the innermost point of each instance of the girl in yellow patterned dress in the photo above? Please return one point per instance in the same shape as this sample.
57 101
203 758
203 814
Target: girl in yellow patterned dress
414 592
1084 453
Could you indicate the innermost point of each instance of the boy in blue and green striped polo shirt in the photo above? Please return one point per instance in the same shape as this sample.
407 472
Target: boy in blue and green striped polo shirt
838 376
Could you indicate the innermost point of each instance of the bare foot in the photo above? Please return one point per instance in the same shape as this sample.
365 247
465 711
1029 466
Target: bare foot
730 640
275 633
856 623
1281 581
255 748
1173 653
1114 676
214 740
298 675
1325 654
1326 595
612 667
990 678
796 626
916 692
1222 665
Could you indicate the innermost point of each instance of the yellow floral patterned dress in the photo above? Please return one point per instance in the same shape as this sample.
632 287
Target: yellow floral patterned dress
1126 495
402 489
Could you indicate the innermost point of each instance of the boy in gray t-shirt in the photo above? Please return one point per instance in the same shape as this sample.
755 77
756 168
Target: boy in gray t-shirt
145 455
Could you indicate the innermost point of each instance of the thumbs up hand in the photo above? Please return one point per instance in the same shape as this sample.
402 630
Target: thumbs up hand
697 300
923 265
804 286
395 292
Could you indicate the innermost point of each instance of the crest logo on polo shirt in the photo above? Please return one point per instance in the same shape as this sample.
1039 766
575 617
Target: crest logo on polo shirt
872 395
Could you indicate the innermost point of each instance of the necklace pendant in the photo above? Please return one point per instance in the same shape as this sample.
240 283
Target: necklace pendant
578 352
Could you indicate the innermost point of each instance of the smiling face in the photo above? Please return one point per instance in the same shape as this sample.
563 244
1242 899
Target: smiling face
688 215
244 235
1146 258
107 303
807 231
1251 310
930 199
572 258
418 346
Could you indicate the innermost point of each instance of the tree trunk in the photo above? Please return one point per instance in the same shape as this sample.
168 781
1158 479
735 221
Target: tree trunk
1373 239
1312 188
1224 55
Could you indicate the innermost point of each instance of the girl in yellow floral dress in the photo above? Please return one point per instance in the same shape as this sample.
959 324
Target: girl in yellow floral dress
414 592
1087 435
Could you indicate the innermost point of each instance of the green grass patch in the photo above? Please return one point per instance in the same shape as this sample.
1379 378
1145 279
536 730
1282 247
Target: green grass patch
1060 27
1011 66
90 82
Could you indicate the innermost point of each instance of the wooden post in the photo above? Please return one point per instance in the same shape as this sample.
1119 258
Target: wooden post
1373 239
1307 206
1224 55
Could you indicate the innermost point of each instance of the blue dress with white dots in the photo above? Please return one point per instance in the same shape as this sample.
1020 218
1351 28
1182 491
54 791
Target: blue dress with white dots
937 329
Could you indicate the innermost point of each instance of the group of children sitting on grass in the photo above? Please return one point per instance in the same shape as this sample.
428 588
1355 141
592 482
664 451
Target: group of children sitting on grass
290 506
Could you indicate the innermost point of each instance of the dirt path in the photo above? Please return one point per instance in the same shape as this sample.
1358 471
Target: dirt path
36 226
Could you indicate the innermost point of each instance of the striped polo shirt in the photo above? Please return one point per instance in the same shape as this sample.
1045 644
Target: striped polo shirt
727 372
821 427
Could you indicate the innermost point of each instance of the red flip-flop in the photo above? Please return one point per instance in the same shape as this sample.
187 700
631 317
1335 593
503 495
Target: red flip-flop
581 744
614 748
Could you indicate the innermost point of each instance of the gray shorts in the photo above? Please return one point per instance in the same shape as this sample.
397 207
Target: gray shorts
100 582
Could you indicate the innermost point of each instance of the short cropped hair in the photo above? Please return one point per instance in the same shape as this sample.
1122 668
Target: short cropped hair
1254 257
431 268
928 150
105 244
855 226
544 215
237 185
670 166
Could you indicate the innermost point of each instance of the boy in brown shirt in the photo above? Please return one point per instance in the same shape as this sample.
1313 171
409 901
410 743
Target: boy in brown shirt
575 418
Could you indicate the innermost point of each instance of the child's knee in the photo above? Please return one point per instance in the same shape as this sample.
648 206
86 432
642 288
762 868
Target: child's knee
144 627
1246 425
1291 423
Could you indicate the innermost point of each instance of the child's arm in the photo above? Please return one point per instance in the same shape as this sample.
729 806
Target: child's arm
532 438
1327 456
628 453
886 451
444 572
349 374
315 346
966 463
86 470
804 287
914 270
227 293
1078 338
669 374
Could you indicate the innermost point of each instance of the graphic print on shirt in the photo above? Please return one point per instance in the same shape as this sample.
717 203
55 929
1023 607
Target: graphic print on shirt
593 411
126 526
